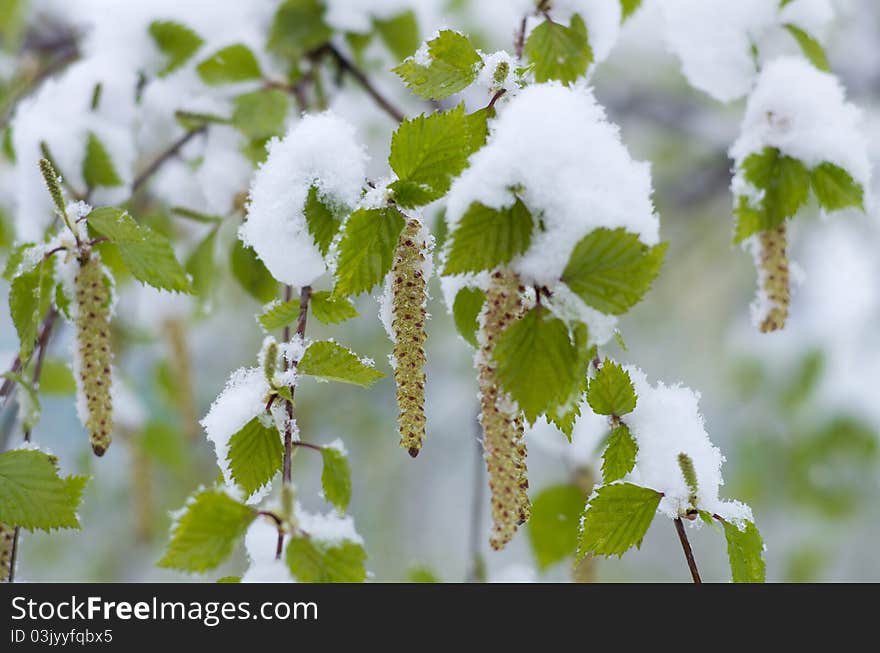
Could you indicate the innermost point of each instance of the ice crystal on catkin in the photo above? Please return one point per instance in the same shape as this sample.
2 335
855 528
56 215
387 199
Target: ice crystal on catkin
503 429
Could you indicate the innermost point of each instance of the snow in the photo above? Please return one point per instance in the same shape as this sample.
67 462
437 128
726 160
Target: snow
260 542
330 528
320 150
491 62
803 112
587 436
357 15
602 17
574 171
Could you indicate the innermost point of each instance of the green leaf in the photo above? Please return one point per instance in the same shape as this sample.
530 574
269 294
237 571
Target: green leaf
616 519
553 526
426 153
559 52
629 7
201 265
313 561
486 238
97 167
745 551
454 65
323 222
251 273
537 364
298 27
28 401
176 41
465 311
366 251
336 478
399 33
234 63
620 454
147 254
255 455
27 300
331 362
611 392
811 48
478 128
332 310
229 580
279 315
836 189
422 575
261 114
56 378
207 531
611 269
33 495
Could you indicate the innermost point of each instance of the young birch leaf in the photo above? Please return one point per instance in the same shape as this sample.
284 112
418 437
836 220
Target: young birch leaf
97 167
616 519
629 7
465 311
298 27
331 362
537 363
251 273
559 52
207 531
811 48
261 114
745 550
366 251
553 526
147 254
234 63
255 455
176 41
486 238
33 495
399 33
25 303
332 310
279 315
620 455
336 478
836 189
313 561
451 65
322 221
611 392
786 185
200 265
611 269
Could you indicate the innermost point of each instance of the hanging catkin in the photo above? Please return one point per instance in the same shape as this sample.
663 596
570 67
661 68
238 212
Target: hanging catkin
503 429
774 277
7 538
409 295
93 351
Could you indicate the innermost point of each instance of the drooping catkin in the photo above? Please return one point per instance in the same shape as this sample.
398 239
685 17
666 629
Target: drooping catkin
774 277
7 539
409 297
93 351
503 429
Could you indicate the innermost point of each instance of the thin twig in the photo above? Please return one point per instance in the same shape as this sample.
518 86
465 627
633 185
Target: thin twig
519 41
688 552
308 445
167 154
361 78
68 55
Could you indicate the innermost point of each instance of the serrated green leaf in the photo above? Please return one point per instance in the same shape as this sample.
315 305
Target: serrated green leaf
331 362
313 561
553 526
97 167
146 253
616 519
811 48
629 7
323 222
399 33
465 311
26 303
251 273
336 478
611 392
261 114
234 63
611 269
620 454
298 28
478 128
454 65
486 238
279 315
255 455
366 251
836 189
559 52
33 495
176 41
201 265
745 551
426 153
56 378
332 310
537 364
207 531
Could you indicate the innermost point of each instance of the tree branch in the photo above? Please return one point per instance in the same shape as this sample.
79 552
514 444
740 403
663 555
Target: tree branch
688 552
349 67
167 154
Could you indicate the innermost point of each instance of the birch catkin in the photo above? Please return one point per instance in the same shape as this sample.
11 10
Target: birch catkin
93 351
503 429
409 295
774 277
7 538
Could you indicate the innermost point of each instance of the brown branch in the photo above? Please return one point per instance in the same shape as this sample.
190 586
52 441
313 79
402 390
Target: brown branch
688 552
308 445
167 154
519 41
500 94
349 67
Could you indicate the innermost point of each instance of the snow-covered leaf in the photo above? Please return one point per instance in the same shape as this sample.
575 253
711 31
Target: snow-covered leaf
366 251
559 52
279 315
331 362
29 297
486 238
836 189
255 455
616 519
786 185
451 65
332 310
553 526
323 222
